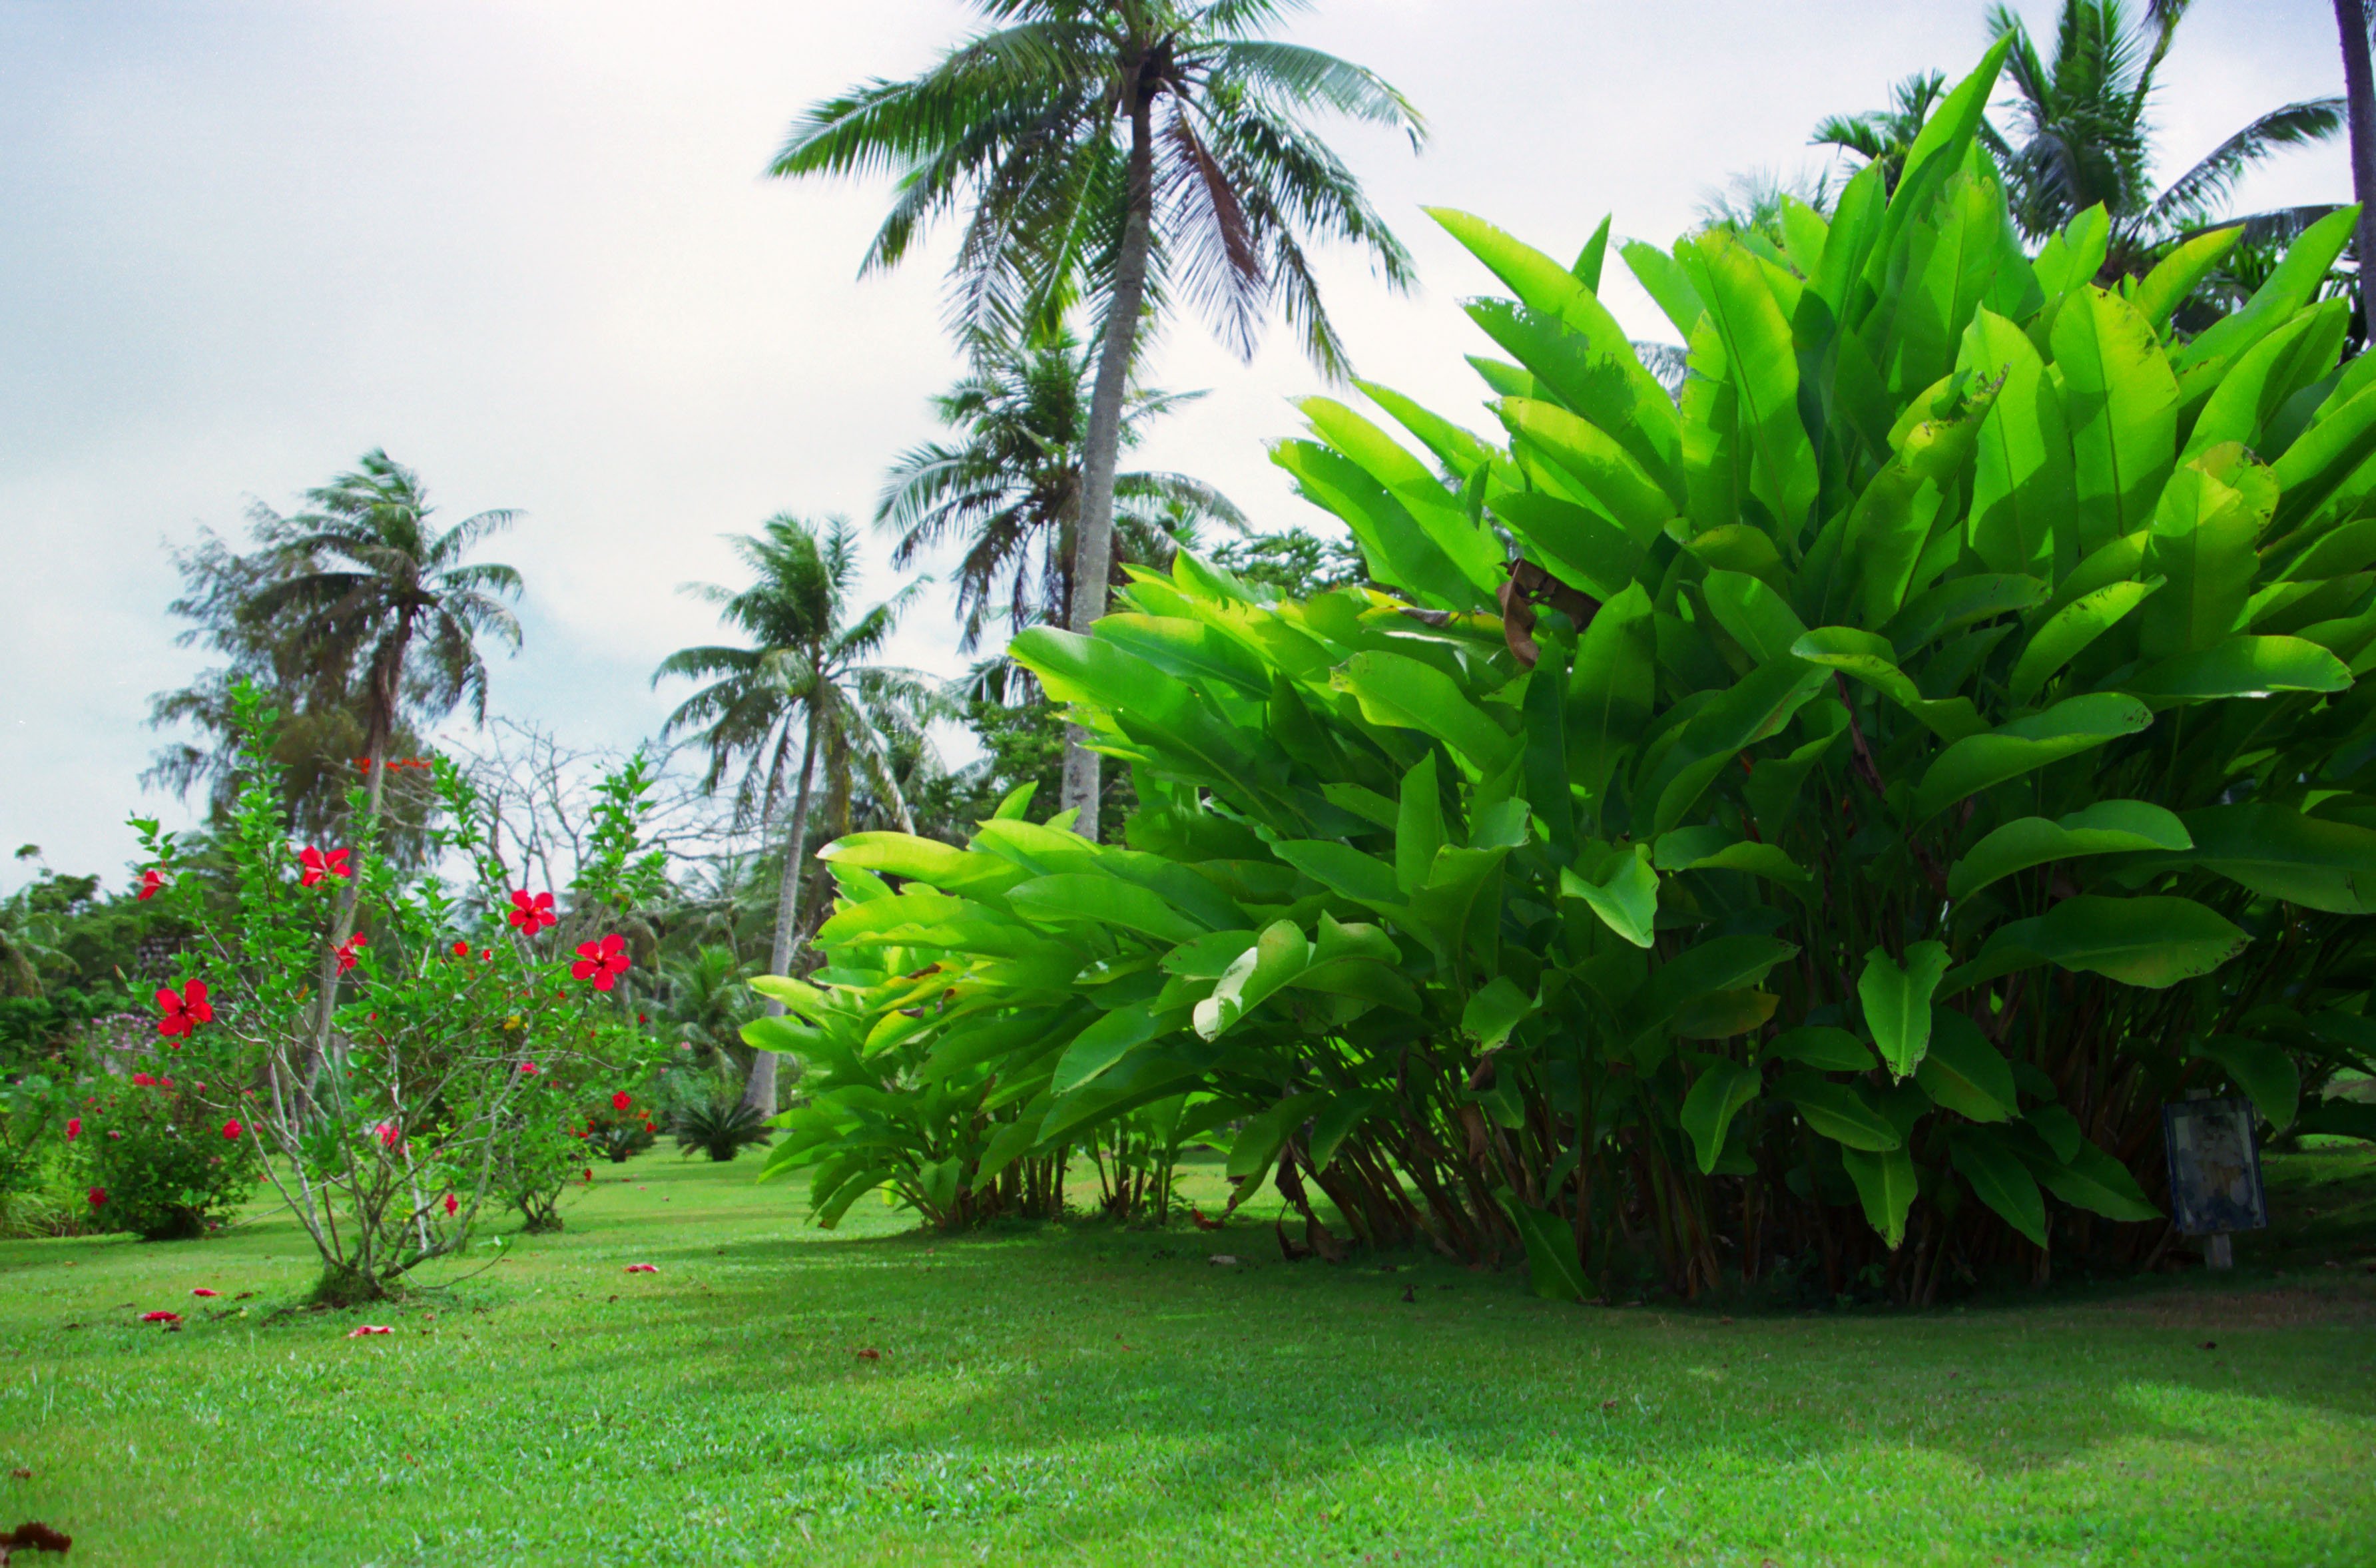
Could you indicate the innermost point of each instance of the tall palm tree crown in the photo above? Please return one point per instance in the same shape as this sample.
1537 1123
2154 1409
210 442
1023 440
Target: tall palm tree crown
1122 152
2079 133
808 677
1887 135
368 584
1010 487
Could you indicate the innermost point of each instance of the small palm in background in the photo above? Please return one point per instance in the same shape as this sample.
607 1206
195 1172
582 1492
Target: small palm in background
720 1127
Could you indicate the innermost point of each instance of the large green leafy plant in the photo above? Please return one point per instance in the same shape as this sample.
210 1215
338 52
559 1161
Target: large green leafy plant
1809 827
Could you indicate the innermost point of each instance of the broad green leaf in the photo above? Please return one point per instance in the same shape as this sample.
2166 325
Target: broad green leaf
2121 402
2294 282
1964 1072
1103 900
2094 1181
1897 1002
1663 279
1885 1184
1751 711
927 860
1838 1112
1604 469
1419 825
1871 657
1209 956
1333 1125
1627 899
1752 614
2201 541
2242 667
2153 942
1107 1041
2074 254
1194 650
1493 1012
2279 854
2176 276
1959 602
1718 1095
1394 546
2069 632
2258 384
1552 1271
1462 451
2312 469
1279 955
1344 869
1088 670
2104 829
2000 1181
1544 771
1822 1047
1264 1134
2022 481
1722 1014
1610 692
2074 725
1716 848
2261 1070
1404 692
1472 551
1574 544
1721 963
1763 367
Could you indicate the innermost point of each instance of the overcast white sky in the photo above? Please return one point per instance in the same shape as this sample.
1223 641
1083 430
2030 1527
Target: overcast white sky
528 246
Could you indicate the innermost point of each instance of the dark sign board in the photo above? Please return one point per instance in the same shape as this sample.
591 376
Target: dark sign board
2215 1171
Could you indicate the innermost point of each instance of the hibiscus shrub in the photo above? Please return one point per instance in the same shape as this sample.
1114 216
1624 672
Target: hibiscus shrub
161 1160
621 1129
414 1050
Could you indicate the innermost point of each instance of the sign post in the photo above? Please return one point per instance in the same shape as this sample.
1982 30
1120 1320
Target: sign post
2215 1173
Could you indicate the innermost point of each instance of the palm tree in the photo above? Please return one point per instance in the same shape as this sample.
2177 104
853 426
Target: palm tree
1011 487
364 584
1887 135
2080 134
808 676
2360 98
1121 151
366 588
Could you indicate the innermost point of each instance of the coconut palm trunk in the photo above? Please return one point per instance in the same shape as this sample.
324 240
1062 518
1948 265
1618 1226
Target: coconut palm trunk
1093 547
2359 108
759 1090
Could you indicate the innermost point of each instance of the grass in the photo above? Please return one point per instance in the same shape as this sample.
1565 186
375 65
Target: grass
1083 1393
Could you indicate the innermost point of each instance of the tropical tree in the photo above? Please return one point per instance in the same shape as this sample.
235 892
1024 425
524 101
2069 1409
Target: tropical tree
363 584
2079 133
808 683
1885 136
2359 99
1010 487
1122 152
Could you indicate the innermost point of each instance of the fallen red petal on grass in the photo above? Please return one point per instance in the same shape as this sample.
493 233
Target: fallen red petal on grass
161 1317
870 1355
202 1290
643 1269
368 1328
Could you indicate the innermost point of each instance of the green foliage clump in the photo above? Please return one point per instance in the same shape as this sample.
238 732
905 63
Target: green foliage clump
1800 831
163 1161
722 1127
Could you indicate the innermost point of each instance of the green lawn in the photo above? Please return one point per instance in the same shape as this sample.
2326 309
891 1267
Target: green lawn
1086 1394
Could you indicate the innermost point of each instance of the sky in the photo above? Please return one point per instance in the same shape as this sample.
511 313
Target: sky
530 248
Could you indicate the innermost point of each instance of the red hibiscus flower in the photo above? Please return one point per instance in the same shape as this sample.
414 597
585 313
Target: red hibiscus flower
527 1069
461 950
232 1130
388 1133
620 1100
314 865
143 1081
98 1197
151 883
161 1317
348 951
73 1128
202 1290
184 1011
532 915
368 1328
589 1175
452 1204
602 962
643 1269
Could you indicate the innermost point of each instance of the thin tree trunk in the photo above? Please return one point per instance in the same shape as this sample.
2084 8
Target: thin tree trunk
2359 101
759 1089
1093 544
374 784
